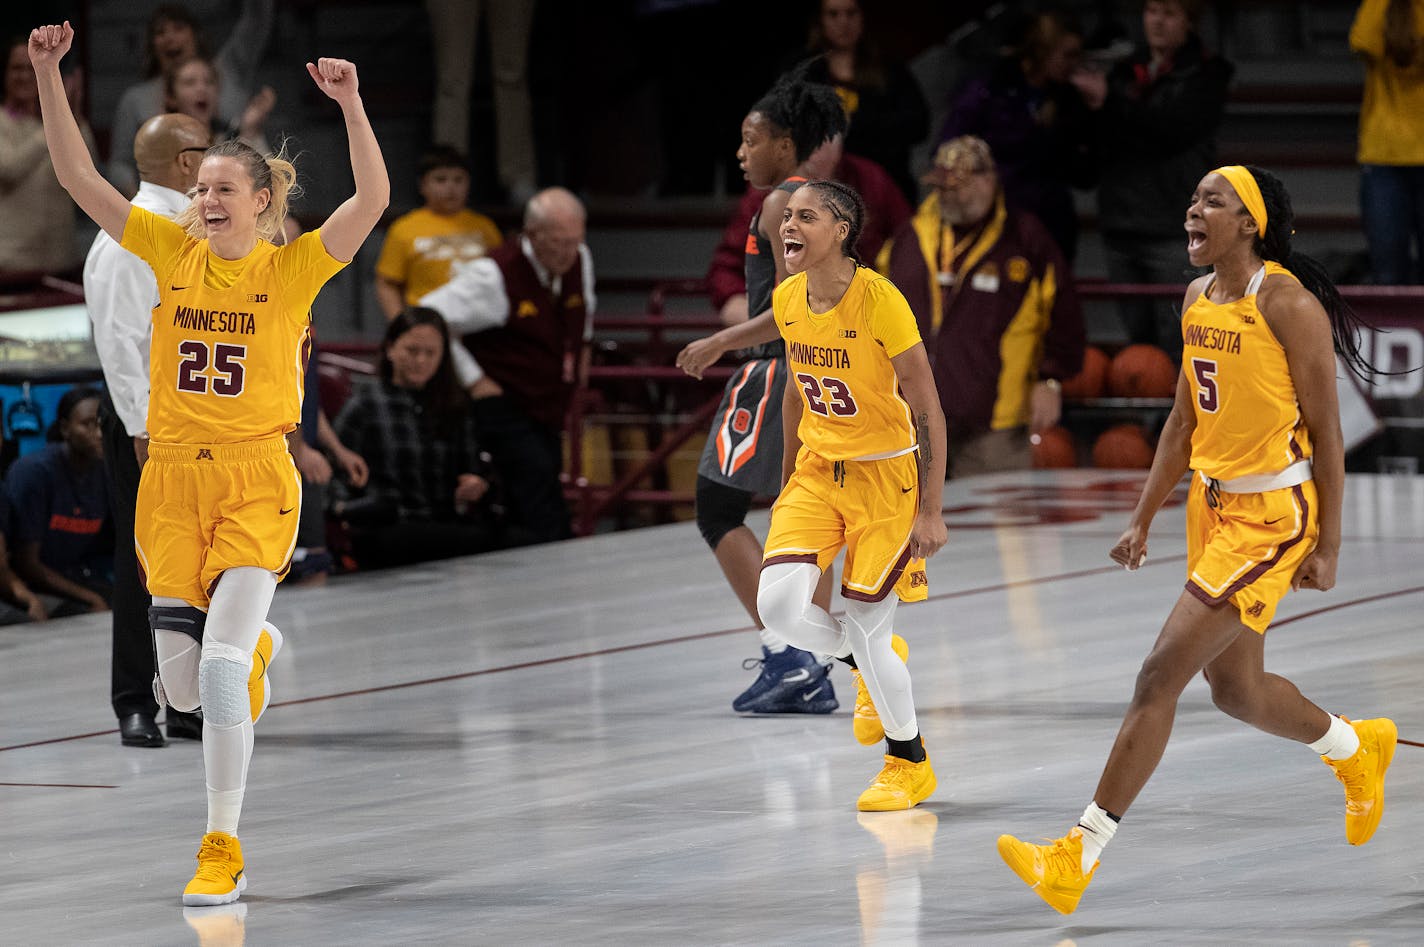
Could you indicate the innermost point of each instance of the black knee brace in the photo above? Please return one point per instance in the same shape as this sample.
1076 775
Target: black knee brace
720 509
184 619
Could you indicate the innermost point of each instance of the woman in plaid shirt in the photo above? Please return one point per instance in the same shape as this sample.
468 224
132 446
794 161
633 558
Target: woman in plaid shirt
428 496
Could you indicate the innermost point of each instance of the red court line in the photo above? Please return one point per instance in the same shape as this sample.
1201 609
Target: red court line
680 639
1354 601
57 786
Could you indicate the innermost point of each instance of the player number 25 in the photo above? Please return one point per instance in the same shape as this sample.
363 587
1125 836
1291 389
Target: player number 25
227 375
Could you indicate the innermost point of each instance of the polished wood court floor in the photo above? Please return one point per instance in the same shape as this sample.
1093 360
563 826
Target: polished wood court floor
537 747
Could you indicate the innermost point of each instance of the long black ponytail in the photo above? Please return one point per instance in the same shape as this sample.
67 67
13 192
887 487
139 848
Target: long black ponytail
1346 326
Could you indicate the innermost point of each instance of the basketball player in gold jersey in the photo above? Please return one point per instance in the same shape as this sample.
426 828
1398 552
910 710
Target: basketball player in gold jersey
863 468
217 505
1256 419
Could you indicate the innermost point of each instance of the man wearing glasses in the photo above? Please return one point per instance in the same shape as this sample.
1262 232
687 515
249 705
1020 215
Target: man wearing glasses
120 293
995 303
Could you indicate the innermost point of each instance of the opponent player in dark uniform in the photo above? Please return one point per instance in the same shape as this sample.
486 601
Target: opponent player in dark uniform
742 457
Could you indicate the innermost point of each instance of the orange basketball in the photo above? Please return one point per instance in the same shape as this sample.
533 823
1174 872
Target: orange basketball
1142 371
1055 448
1091 378
1123 446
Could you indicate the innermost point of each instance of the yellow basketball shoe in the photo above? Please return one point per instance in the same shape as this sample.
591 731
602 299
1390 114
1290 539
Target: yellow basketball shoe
866 723
900 785
1053 871
259 687
1363 776
219 879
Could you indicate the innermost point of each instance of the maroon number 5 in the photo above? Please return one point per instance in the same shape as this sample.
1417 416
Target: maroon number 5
827 395
1207 393
226 378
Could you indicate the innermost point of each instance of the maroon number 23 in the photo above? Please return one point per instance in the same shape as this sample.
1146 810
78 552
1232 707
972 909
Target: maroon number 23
827 395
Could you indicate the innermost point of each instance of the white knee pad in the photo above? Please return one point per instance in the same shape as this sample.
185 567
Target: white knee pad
176 682
870 622
784 591
222 684
785 608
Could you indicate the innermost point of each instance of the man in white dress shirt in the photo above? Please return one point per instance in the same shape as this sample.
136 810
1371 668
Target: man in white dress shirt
525 313
120 292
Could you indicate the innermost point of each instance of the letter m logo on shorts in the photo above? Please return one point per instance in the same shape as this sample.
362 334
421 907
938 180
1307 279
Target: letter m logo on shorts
204 454
1255 610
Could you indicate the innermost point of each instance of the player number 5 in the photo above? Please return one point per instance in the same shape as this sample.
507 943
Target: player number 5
1208 397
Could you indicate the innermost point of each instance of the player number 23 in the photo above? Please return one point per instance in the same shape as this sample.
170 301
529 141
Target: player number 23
827 395
223 358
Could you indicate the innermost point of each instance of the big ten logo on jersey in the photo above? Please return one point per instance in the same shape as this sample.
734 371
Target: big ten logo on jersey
847 333
1050 504
257 297
741 421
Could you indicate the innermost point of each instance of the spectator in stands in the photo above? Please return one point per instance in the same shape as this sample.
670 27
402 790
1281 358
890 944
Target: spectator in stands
61 524
526 314
995 304
427 496
193 87
882 98
1035 122
120 293
174 34
1157 114
885 208
454 29
421 247
17 603
1389 36
37 235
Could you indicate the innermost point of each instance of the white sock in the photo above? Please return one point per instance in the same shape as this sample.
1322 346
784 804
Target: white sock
1340 742
1098 829
772 642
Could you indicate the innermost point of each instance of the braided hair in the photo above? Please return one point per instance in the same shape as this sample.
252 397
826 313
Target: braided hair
809 112
842 202
1346 326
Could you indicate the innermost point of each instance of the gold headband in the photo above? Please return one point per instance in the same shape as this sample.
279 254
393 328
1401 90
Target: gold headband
1248 190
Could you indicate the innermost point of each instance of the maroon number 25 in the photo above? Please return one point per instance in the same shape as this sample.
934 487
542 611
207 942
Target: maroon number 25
225 358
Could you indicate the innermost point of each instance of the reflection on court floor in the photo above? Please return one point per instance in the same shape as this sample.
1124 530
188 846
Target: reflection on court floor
537 746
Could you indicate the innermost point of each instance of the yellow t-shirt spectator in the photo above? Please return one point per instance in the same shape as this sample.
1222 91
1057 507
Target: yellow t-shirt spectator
1392 114
420 247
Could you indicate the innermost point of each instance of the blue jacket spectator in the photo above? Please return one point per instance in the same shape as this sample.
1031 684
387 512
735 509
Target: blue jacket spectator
60 524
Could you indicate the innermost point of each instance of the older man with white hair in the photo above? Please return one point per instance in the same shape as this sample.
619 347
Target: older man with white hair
525 313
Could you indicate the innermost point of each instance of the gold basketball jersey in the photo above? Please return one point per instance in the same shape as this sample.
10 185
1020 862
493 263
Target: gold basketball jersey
230 337
839 360
1248 419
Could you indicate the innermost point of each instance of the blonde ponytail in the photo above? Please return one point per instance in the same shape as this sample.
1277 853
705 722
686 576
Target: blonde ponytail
276 173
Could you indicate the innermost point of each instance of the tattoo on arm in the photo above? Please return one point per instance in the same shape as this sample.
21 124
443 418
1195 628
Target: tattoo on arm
925 452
